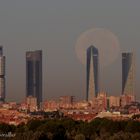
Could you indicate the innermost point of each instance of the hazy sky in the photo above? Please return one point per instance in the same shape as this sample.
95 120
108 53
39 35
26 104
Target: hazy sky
54 26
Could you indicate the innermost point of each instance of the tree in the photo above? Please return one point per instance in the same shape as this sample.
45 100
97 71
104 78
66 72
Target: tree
21 128
33 125
38 135
135 136
80 137
5 128
133 127
24 135
60 133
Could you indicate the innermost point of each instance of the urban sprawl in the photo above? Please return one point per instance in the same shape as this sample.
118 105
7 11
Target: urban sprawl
96 104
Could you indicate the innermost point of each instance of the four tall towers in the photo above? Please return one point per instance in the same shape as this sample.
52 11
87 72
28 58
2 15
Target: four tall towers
34 74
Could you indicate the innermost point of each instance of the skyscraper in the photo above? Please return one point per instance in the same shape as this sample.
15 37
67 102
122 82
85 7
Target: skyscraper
128 74
2 75
92 73
34 75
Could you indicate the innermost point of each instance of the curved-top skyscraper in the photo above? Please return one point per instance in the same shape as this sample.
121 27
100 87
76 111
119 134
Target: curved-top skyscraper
128 73
92 73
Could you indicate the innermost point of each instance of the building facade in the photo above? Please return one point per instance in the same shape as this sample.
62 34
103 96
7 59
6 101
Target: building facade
31 103
114 101
66 101
127 99
34 75
92 73
128 74
2 75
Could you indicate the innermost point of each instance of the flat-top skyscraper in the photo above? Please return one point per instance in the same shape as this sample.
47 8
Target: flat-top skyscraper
34 75
128 74
2 75
92 73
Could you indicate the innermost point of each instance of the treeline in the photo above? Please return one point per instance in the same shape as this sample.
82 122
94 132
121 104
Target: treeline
68 129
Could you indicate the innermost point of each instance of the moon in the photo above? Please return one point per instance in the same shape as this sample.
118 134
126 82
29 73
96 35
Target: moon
104 40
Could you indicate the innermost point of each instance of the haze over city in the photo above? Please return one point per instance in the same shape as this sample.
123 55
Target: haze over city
54 27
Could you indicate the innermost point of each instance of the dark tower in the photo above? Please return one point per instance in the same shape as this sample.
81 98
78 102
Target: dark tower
2 75
34 75
127 74
92 73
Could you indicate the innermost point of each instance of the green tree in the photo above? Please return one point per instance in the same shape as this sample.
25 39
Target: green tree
60 133
135 136
80 137
5 128
34 124
133 127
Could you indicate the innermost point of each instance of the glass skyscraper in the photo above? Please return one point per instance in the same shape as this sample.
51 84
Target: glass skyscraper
92 73
2 75
34 75
128 73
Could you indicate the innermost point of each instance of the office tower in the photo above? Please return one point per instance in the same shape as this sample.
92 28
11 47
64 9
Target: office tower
34 75
128 74
92 73
2 75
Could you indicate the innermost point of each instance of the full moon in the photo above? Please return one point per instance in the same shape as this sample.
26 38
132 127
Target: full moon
104 40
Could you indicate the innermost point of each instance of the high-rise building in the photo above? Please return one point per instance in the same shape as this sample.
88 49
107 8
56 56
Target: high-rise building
34 75
128 74
2 75
92 73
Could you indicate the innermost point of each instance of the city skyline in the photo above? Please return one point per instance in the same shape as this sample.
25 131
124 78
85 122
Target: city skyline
69 70
34 75
54 27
